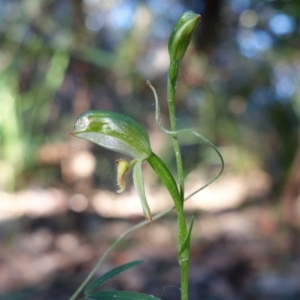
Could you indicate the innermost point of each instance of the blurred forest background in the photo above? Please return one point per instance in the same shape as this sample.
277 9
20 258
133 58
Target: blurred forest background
239 86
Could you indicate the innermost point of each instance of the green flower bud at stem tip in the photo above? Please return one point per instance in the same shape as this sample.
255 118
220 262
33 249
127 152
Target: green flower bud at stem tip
182 34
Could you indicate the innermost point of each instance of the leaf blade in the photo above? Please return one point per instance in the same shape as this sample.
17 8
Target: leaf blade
120 295
110 274
187 241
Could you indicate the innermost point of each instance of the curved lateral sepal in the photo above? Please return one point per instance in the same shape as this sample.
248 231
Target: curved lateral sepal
206 141
139 185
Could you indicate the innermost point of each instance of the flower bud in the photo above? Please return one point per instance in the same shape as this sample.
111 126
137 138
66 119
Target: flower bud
115 132
182 34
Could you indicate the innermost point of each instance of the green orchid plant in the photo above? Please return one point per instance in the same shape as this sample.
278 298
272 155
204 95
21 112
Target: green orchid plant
122 134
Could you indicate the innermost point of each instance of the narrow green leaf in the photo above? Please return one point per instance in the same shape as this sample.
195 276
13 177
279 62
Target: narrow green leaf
112 273
187 241
123 295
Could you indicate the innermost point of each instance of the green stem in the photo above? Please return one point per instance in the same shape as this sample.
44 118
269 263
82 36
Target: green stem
183 259
184 256
173 72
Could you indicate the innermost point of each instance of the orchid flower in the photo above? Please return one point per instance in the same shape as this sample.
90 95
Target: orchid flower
122 134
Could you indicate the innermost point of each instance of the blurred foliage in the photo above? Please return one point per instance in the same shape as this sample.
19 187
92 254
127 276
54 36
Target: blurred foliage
239 84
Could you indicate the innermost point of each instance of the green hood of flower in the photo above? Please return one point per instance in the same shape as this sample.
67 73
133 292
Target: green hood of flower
115 132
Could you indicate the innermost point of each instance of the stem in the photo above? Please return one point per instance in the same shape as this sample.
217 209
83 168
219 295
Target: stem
173 72
183 257
184 277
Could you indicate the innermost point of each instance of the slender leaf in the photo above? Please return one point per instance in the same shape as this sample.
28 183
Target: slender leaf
123 295
112 273
186 244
